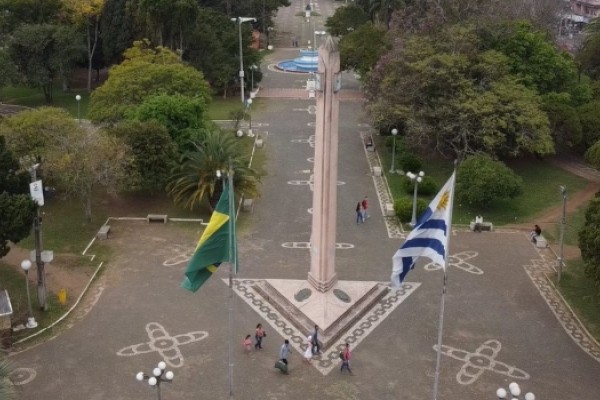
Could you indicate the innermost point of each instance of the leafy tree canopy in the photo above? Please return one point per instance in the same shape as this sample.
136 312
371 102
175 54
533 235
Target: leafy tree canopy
361 49
16 207
145 72
346 19
154 153
589 241
182 116
449 96
480 181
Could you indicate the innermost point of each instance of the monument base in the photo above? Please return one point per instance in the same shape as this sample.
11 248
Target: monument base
334 311
322 286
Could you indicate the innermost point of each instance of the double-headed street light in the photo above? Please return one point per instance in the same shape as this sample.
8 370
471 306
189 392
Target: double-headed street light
514 391
240 21
315 34
416 178
392 167
252 69
26 266
158 376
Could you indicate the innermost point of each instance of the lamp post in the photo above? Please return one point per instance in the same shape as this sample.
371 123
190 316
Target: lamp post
37 229
248 104
416 178
158 376
315 34
515 391
252 69
78 99
26 266
240 21
394 134
563 222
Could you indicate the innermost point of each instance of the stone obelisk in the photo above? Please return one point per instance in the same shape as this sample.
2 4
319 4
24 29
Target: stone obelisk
322 275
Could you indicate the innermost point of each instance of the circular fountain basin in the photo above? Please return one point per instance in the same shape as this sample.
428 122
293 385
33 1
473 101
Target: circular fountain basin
308 62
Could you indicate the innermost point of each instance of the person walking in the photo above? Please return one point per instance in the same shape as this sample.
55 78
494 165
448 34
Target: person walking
308 353
284 352
359 214
365 206
346 355
315 348
259 334
247 343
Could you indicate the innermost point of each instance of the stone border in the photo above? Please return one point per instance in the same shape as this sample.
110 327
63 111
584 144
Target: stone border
540 271
384 195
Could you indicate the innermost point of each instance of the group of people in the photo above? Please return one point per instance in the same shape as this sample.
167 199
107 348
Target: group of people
313 348
361 211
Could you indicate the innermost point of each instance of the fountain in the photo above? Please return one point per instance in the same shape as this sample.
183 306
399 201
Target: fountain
305 64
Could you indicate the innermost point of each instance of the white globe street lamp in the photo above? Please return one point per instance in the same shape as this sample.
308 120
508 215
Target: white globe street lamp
392 167
78 99
514 391
248 104
240 21
31 323
158 376
416 178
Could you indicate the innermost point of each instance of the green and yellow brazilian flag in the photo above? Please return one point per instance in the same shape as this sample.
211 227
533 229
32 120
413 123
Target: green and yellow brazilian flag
216 245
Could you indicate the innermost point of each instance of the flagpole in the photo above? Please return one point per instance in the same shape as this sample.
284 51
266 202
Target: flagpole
443 300
232 262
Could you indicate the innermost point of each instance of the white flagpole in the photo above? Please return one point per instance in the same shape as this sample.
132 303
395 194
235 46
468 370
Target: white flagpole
232 261
443 300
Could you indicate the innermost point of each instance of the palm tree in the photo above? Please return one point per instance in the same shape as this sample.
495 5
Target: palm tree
195 178
6 387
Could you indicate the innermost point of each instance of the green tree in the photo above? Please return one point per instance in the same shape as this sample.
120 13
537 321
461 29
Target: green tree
7 391
481 180
8 72
153 151
452 98
146 71
87 13
182 116
589 241
346 19
564 124
534 57
16 207
15 13
592 155
85 159
589 115
29 134
194 180
40 54
362 48
117 29
588 56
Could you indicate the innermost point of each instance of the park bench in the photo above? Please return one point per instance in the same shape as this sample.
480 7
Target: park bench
369 145
157 218
540 241
103 232
485 226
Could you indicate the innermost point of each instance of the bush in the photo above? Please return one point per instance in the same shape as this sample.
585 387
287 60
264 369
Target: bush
403 208
426 188
481 180
410 162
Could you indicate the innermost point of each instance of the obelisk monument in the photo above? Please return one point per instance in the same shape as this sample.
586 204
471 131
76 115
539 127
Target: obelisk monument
322 275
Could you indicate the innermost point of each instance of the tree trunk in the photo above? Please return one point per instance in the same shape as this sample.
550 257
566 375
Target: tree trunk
91 48
87 205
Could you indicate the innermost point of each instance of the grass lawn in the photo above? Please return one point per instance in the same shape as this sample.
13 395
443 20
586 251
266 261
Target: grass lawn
540 185
14 283
29 97
574 224
582 295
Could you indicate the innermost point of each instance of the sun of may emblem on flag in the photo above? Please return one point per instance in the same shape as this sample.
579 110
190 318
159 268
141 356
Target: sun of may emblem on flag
444 201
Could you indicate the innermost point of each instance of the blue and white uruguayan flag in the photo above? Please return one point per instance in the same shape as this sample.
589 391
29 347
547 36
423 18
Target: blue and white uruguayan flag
429 238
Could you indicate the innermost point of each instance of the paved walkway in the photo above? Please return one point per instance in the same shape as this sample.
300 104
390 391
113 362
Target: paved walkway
500 324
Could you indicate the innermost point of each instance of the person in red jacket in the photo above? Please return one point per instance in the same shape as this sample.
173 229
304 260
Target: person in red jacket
346 356
365 206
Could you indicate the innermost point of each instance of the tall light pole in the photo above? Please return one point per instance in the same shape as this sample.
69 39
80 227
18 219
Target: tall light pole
514 391
240 21
159 376
26 266
252 69
392 167
37 229
563 191
416 178
317 33
248 104
78 99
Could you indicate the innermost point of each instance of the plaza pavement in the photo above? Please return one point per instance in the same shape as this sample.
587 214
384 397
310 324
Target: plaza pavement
491 299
